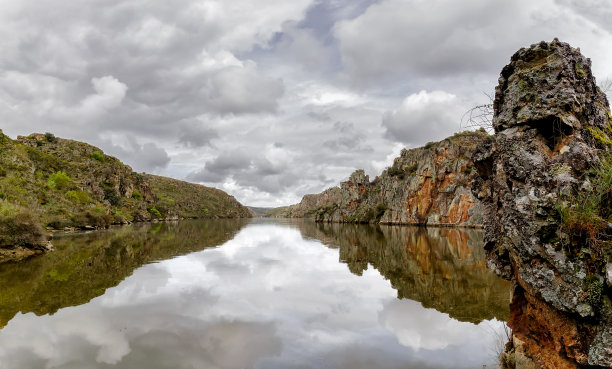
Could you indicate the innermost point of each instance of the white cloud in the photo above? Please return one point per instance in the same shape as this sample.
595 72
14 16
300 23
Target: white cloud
424 116
443 38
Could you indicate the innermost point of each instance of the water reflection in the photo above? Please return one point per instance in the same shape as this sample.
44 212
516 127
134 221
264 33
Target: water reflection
443 268
85 265
268 298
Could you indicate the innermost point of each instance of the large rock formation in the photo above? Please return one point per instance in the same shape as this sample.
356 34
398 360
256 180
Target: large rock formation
429 185
542 202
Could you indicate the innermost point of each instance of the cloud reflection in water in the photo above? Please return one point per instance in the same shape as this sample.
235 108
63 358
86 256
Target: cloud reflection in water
266 299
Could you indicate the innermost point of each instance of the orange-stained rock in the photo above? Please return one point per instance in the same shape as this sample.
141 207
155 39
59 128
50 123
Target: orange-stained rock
425 186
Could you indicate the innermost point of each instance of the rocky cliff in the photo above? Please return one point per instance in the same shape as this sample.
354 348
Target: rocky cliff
429 185
545 180
50 182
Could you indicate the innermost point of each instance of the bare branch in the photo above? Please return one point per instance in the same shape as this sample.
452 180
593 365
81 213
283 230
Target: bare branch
606 86
480 116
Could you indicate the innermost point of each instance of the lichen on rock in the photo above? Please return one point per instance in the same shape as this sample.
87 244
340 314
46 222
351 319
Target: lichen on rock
540 162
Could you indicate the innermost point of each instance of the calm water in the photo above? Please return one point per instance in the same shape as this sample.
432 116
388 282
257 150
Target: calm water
234 294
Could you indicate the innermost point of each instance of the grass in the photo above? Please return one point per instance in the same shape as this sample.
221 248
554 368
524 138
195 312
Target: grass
585 220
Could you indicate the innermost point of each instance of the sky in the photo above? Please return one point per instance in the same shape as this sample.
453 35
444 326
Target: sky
269 100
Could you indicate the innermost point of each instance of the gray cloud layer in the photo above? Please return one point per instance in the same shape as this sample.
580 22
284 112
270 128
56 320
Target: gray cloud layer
292 96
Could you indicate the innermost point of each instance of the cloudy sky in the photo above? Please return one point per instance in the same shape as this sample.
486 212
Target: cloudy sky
268 99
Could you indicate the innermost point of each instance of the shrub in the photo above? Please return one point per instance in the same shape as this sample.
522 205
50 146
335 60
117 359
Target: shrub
396 172
412 169
79 197
20 227
585 216
136 195
430 144
95 217
98 156
111 194
59 180
50 137
155 212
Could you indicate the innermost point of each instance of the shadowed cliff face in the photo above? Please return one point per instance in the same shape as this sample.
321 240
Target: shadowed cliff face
552 129
443 268
83 266
428 185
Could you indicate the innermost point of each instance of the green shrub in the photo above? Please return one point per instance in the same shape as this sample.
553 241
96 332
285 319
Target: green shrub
59 180
155 212
20 227
585 216
111 194
50 137
136 195
94 217
98 156
396 172
594 289
79 197
412 169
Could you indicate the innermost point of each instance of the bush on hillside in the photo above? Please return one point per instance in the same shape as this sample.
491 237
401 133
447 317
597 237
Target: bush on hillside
20 227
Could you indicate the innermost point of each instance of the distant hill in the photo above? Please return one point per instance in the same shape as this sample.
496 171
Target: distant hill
50 182
259 211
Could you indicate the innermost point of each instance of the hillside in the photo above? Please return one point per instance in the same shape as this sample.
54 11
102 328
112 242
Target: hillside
50 182
427 185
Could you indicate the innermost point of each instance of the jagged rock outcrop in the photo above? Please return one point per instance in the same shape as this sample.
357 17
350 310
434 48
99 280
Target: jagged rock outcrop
429 185
535 177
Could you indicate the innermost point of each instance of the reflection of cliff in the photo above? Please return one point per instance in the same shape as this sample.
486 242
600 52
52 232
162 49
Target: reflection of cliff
85 265
442 268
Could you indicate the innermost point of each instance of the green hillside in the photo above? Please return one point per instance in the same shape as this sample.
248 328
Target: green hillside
50 182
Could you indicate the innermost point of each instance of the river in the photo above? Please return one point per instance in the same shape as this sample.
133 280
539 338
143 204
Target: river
254 294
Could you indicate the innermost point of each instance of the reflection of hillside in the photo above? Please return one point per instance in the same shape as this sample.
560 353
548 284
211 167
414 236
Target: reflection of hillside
443 268
85 265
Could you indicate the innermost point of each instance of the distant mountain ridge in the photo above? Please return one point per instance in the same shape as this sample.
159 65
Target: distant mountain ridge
55 183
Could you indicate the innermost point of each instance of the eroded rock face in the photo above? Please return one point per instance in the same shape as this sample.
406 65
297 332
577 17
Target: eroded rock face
547 107
426 186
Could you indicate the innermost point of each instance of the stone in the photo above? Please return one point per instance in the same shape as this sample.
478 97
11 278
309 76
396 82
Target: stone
546 107
424 186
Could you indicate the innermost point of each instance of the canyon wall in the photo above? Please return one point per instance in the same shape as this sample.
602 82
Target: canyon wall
429 185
